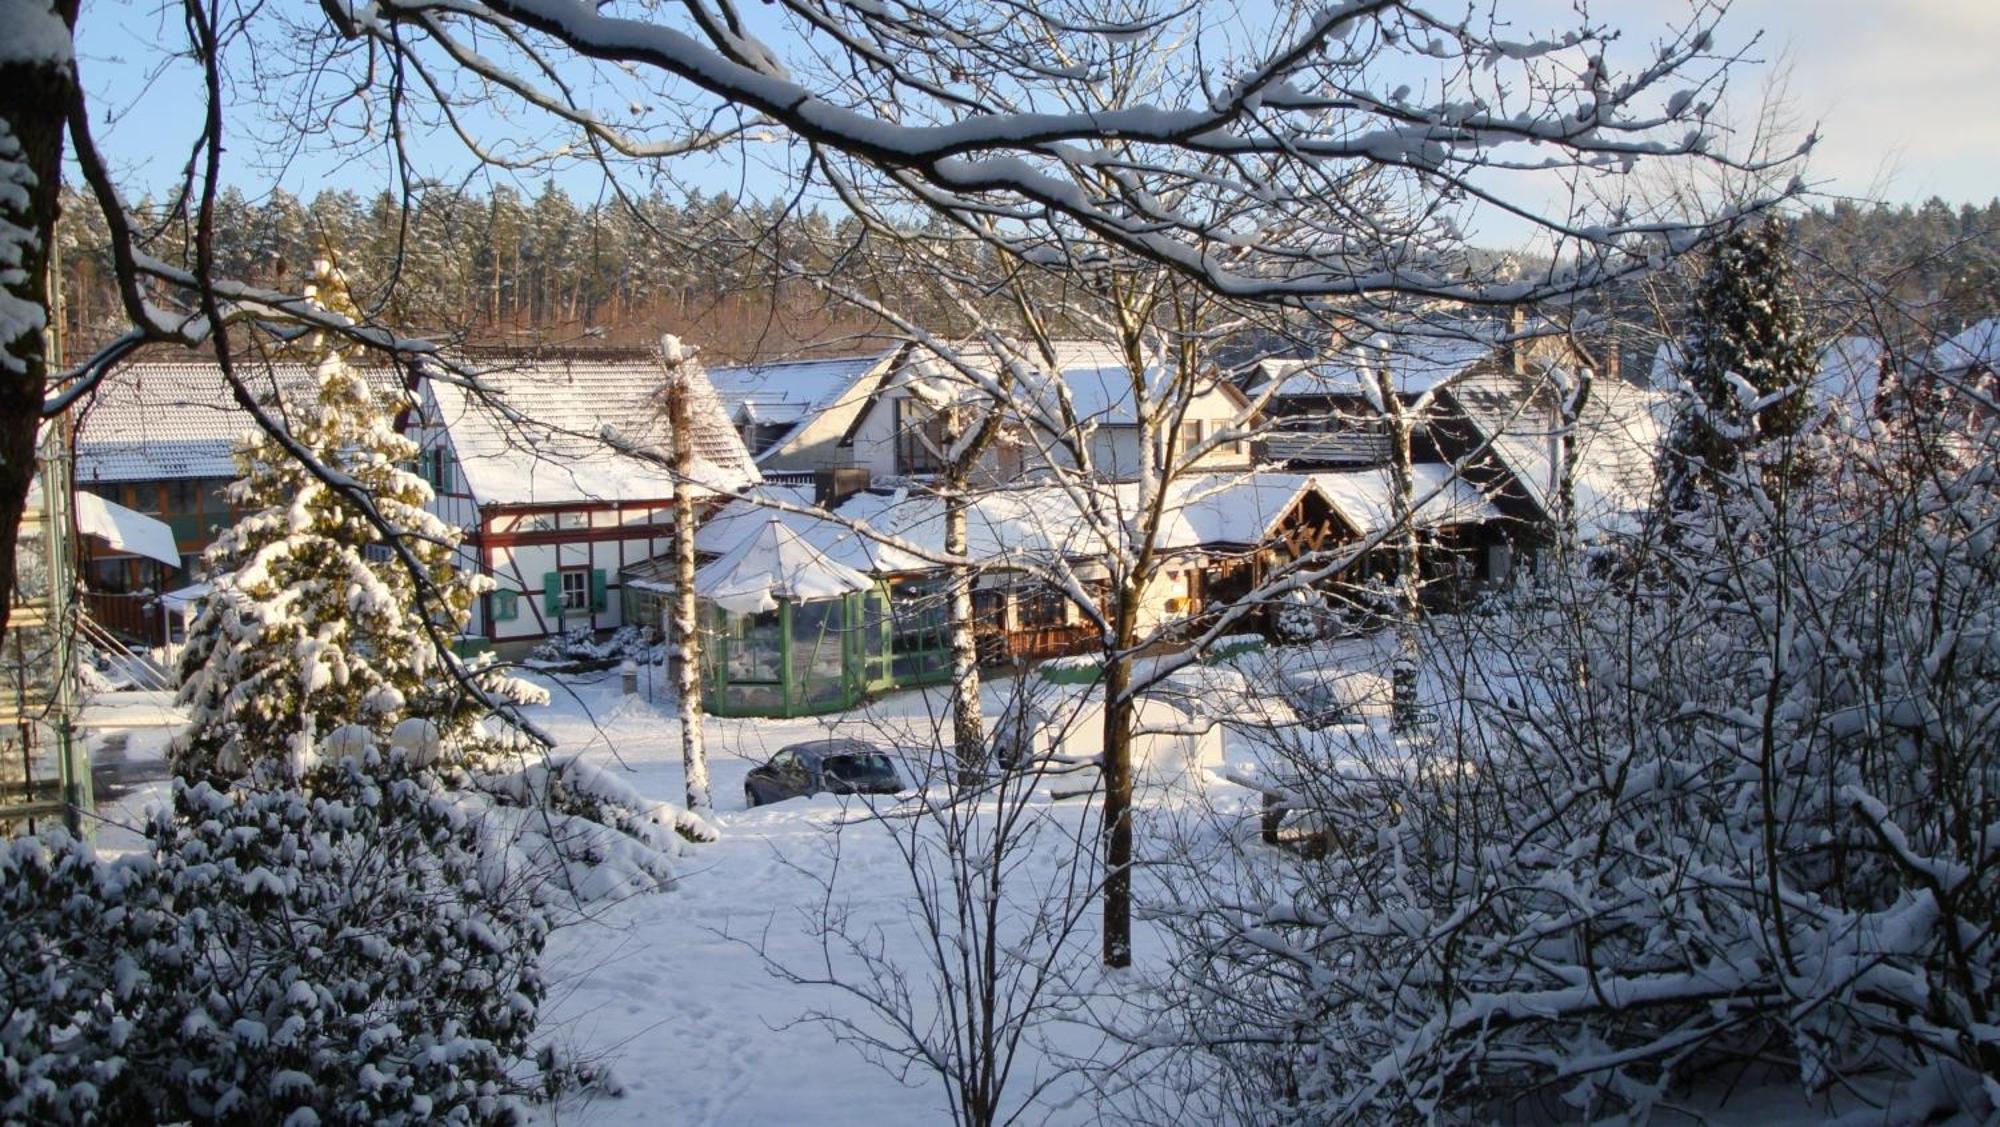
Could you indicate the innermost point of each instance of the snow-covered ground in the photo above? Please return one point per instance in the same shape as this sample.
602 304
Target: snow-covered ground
676 992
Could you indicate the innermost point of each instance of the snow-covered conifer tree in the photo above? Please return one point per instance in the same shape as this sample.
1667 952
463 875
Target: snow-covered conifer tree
303 631
1748 361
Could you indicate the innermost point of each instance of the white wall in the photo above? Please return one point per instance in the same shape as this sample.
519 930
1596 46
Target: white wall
606 540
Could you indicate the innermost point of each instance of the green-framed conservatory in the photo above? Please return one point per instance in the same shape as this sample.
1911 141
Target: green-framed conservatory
786 631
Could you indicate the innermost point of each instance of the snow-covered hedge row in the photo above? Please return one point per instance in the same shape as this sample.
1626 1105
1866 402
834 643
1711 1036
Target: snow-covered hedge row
337 950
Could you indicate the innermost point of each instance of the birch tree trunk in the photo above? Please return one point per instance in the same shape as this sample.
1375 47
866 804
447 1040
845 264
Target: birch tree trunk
1402 498
686 634
968 727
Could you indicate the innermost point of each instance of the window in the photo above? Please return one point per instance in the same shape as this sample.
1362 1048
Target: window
919 437
183 496
575 590
506 606
1190 437
1040 606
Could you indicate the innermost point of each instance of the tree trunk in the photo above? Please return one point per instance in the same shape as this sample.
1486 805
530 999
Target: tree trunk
968 728
686 634
1409 561
1118 710
33 110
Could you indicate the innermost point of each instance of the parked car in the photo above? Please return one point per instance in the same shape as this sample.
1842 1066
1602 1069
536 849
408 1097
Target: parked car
1322 703
840 766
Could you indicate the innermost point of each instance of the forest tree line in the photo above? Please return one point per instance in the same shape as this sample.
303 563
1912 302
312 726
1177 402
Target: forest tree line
503 269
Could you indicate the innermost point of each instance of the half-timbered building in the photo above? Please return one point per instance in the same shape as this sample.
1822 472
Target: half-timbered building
557 471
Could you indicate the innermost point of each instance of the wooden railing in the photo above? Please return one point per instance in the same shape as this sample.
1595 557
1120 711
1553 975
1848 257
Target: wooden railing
134 617
1035 643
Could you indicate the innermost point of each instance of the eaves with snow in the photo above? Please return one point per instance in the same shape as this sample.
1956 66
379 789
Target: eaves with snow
903 531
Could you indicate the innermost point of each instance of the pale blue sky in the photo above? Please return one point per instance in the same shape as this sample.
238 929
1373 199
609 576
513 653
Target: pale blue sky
1907 93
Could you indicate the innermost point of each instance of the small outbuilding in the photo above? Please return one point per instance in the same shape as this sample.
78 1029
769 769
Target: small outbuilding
788 631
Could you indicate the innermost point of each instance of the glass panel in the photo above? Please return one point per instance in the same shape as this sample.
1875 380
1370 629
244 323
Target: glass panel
755 648
874 627
818 663
920 629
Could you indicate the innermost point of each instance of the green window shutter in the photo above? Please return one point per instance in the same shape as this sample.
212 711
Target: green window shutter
552 592
506 606
596 589
424 464
444 468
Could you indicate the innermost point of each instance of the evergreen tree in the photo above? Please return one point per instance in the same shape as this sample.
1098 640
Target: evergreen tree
1747 363
303 632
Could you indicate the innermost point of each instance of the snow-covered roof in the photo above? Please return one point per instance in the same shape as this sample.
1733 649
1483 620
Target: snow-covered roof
1047 521
1976 347
1231 509
771 564
790 391
125 530
1094 373
1365 499
1416 364
161 421
1617 445
561 431
1850 376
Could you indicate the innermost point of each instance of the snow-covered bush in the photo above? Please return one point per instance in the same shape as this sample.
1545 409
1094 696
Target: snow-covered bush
339 949
581 643
1727 815
1299 616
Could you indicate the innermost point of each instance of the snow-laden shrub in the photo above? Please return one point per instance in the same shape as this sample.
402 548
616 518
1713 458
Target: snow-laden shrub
1727 815
585 834
1300 615
581 644
338 950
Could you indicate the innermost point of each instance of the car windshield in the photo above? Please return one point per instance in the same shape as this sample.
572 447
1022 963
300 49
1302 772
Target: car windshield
852 768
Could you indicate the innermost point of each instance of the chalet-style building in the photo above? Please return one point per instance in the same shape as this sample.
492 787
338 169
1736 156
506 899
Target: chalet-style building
879 415
556 470
900 433
1492 411
1220 534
